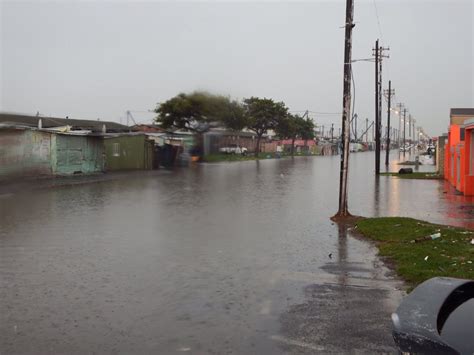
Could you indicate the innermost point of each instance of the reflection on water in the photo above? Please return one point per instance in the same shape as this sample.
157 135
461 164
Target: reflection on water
205 258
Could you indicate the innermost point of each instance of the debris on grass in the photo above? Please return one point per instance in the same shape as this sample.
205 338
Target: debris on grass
445 251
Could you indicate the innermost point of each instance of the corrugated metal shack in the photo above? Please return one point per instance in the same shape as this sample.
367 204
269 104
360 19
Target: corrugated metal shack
131 151
44 146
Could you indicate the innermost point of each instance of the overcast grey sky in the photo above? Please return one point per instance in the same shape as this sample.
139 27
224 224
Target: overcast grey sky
98 59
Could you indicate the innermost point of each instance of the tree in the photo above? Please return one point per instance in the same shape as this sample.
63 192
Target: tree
262 115
306 130
295 127
290 128
200 111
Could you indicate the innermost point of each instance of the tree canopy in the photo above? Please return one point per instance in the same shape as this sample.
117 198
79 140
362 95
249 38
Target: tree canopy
295 127
262 115
199 111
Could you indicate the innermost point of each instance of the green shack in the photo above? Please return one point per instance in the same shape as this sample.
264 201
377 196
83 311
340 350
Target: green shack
128 151
72 154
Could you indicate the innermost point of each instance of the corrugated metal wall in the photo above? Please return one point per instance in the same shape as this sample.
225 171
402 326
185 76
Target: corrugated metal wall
24 153
128 153
78 154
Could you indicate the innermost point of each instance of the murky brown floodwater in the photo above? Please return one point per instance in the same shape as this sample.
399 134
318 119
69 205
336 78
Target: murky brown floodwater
217 258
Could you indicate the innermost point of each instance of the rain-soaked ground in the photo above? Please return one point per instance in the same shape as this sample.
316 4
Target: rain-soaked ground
213 259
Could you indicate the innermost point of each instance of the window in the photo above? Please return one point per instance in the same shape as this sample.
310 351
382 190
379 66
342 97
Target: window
116 149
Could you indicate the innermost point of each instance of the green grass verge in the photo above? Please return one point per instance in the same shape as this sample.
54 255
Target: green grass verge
401 240
415 175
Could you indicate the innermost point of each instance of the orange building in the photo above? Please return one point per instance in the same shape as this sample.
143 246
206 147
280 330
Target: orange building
469 157
458 168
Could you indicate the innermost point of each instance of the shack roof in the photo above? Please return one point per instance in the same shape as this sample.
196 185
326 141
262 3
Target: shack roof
50 122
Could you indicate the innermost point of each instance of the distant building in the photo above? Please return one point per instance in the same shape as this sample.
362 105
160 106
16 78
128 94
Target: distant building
214 140
458 157
149 128
469 157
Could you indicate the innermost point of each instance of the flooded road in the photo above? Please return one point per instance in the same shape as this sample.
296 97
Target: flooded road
214 259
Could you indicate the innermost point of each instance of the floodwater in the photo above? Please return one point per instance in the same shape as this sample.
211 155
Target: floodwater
213 259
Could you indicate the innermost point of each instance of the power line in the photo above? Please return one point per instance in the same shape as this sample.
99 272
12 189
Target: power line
317 112
378 19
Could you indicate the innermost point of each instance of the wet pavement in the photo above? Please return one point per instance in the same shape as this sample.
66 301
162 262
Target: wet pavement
214 259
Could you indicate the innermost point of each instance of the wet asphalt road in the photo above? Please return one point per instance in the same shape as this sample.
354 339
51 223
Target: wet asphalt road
214 259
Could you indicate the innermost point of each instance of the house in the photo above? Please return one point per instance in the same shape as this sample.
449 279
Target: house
456 161
128 151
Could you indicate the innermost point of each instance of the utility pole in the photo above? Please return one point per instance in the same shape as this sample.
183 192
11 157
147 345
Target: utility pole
346 112
399 110
404 129
409 127
378 53
355 124
388 94
366 130
377 119
332 132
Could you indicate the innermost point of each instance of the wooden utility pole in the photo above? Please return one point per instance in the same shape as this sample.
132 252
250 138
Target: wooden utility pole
355 130
377 118
366 130
409 127
346 112
388 93
399 109
379 55
404 130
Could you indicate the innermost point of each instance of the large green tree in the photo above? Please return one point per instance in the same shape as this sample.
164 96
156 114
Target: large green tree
306 129
199 111
262 115
290 128
295 127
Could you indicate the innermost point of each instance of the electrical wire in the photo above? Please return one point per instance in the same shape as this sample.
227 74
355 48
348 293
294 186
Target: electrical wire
378 19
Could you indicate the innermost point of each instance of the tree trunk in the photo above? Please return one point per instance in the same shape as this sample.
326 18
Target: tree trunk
293 147
257 147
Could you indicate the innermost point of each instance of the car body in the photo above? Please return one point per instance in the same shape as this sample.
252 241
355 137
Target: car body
437 317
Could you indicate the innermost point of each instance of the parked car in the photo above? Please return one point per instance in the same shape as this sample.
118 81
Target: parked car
437 317
233 149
